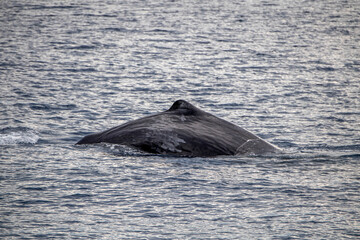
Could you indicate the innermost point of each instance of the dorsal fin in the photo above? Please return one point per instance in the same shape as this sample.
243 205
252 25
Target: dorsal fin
180 104
183 107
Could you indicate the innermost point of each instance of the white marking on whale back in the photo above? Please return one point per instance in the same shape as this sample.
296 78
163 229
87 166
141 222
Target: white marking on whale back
256 146
182 118
167 140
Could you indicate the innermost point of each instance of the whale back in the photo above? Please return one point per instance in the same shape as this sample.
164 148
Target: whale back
183 130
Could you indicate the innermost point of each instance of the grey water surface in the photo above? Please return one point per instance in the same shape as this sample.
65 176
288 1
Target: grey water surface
287 71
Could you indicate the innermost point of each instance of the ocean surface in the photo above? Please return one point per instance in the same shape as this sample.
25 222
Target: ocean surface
288 71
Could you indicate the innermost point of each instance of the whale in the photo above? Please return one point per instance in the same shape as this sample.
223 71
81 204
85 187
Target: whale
184 130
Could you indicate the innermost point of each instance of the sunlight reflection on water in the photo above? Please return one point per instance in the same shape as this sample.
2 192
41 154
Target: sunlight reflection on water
287 71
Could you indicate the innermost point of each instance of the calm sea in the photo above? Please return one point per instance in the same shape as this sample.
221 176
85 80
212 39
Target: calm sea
287 71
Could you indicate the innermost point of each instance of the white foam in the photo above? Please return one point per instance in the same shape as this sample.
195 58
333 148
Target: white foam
19 137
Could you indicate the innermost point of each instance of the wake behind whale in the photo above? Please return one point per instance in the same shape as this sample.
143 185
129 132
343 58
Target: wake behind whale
184 130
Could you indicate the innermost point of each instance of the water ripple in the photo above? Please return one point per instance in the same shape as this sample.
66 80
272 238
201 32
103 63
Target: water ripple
287 71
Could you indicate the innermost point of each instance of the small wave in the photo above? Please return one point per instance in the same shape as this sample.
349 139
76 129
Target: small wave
11 136
51 107
121 150
326 69
117 149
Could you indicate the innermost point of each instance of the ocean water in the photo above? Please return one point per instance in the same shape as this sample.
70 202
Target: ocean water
286 71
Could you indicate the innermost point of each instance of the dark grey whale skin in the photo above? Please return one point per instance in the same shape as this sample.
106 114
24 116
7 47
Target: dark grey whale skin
184 130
